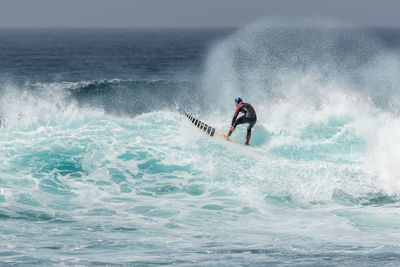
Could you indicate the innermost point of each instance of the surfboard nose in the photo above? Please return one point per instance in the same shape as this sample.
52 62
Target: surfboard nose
201 125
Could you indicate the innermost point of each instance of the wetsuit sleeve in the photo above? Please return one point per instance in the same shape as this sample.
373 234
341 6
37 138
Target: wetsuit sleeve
238 109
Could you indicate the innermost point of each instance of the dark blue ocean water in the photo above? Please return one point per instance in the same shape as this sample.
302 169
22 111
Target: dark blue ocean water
98 166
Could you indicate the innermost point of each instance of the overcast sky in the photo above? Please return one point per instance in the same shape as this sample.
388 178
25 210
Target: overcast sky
189 13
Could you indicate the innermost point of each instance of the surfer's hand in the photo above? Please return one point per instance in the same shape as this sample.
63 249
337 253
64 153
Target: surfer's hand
232 128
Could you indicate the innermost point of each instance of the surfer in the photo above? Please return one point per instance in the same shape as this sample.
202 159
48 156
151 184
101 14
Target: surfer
248 117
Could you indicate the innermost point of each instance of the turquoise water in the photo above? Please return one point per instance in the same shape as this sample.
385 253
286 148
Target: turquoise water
155 190
99 166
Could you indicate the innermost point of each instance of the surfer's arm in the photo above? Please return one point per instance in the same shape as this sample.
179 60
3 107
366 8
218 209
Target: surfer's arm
238 109
232 128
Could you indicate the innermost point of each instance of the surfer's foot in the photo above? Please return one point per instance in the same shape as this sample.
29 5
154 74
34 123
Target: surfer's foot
247 143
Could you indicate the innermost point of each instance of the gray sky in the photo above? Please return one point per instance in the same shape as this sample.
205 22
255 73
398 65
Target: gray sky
189 13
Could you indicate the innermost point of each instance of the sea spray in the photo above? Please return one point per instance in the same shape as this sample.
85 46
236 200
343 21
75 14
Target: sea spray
305 75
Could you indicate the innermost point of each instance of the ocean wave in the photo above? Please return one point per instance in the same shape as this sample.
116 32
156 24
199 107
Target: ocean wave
116 159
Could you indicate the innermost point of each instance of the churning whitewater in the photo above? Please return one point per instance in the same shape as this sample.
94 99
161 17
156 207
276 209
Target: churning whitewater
100 166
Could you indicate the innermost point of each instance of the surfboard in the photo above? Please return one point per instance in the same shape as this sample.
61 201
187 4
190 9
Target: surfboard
209 130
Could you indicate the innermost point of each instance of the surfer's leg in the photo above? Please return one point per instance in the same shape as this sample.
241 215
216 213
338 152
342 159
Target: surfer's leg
248 135
241 120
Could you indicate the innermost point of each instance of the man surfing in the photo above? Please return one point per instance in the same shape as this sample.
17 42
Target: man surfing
248 117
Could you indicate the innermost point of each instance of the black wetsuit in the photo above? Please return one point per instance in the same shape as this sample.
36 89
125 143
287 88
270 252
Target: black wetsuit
249 117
